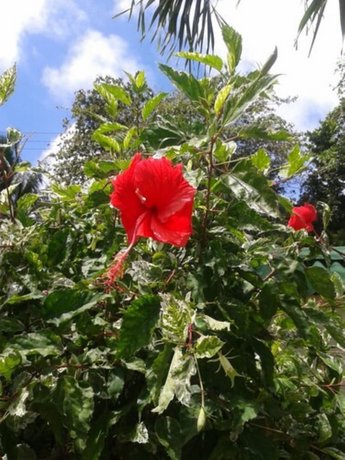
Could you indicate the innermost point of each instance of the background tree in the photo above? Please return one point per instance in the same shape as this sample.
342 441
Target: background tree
174 121
89 111
326 180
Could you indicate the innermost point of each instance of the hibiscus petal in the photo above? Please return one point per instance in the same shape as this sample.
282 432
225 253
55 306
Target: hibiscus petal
302 217
163 187
307 212
125 199
176 230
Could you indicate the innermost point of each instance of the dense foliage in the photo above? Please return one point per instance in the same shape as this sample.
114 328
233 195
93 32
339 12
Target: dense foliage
228 348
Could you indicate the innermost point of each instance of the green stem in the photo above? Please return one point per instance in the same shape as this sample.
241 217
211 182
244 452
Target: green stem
10 204
208 193
202 389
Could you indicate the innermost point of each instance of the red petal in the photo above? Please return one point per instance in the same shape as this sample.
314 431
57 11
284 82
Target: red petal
175 230
302 217
163 186
125 199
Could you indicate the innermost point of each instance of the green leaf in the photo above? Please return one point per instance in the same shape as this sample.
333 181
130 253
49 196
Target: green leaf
221 98
205 321
115 383
270 61
326 214
151 105
158 371
224 151
207 346
140 79
66 193
336 267
99 169
131 133
176 316
182 368
259 83
142 315
57 247
64 304
296 163
183 81
7 84
338 282
108 128
18 299
269 300
34 343
107 142
115 91
140 434
97 436
267 361
328 321
233 42
324 427
251 187
13 137
333 452
244 411
169 434
210 60
26 202
9 361
261 160
257 132
77 405
321 281
340 399
63 301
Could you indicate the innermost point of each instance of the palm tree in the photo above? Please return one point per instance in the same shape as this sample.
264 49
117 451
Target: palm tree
187 24
15 179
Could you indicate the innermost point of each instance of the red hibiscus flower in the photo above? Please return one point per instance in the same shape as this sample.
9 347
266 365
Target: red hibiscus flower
155 201
303 217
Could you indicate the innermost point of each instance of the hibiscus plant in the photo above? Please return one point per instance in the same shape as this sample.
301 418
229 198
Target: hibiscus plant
165 309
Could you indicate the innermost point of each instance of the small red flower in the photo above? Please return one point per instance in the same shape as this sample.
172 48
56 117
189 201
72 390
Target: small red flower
154 200
303 217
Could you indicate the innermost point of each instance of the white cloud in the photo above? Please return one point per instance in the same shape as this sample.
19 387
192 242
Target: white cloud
121 5
47 157
17 17
21 18
270 23
94 54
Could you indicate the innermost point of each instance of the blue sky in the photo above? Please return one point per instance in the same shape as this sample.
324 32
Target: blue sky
61 46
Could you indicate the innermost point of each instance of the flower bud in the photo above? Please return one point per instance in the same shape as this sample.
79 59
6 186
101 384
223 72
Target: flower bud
201 419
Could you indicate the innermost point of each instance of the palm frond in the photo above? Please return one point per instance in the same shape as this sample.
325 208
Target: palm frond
176 24
313 15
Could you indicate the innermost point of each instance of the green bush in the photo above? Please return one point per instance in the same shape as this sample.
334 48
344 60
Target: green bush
228 348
